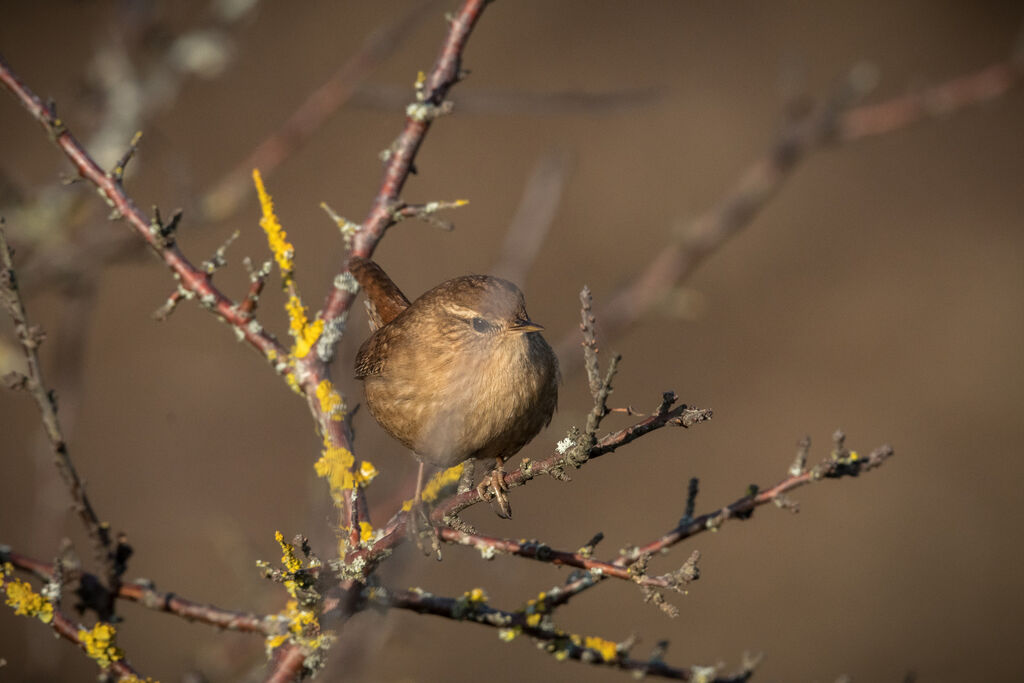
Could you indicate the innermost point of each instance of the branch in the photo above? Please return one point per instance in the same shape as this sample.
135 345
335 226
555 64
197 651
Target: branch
146 595
311 115
112 554
834 122
562 645
939 100
394 532
840 463
446 73
154 232
535 550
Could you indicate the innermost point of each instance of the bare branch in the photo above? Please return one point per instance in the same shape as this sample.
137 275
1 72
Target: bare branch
113 554
447 72
226 196
533 217
193 279
835 121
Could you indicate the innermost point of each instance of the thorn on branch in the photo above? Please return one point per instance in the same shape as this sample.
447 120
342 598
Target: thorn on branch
426 212
799 465
219 258
117 174
691 501
588 548
348 228
743 514
177 296
587 327
163 233
668 399
15 381
257 280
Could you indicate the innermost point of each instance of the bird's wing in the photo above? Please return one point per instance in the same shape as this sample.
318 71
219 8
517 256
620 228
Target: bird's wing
384 296
370 358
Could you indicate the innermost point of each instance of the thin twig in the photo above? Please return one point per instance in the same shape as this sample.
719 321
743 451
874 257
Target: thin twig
535 550
113 554
310 116
146 595
556 641
837 121
533 217
191 278
447 72
742 509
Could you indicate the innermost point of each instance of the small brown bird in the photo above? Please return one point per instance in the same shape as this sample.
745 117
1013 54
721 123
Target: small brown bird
460 373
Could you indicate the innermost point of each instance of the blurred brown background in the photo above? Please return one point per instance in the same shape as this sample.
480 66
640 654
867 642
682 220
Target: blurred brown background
880 291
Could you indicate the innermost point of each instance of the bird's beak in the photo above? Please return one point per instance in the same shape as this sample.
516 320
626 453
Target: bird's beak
521 325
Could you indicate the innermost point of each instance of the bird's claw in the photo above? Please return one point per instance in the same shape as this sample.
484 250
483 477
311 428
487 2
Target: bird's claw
423 531
493 486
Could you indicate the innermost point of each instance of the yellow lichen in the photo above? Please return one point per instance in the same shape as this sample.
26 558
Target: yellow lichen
366 532
335 465
330 400
300 328
304 332
509 634
303 630
277 238
476 595
440 481
288 559
99 644
25 601
608 650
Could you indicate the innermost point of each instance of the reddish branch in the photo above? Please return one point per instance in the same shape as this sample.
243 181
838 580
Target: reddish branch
194 280
534 550
310 116
835 121
314 368
446 73
147 596
68 630
939 100
839 465
395 532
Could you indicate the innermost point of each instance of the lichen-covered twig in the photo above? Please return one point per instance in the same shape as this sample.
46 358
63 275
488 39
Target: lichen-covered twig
145 594
473 607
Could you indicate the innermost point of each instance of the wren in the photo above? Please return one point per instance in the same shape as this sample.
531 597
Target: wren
461 372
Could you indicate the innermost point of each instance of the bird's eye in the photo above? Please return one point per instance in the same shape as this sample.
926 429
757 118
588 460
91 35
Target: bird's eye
480 325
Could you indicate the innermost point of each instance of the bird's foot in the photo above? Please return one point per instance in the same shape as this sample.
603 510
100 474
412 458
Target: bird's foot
494 486
423 531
